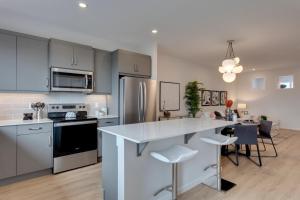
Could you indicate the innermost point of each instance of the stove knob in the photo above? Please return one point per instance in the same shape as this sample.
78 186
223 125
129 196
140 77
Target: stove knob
79 106
53 107
57 107
83 106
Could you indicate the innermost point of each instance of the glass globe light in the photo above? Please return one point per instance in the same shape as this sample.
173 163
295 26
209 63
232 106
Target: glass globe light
238 69
236 60
222 69
229 77
228 65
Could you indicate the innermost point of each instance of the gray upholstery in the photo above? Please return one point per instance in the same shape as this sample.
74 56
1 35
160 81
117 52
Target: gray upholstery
265 128
247 134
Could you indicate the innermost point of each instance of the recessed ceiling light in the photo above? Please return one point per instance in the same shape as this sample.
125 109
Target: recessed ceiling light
154 31
82 5
253 69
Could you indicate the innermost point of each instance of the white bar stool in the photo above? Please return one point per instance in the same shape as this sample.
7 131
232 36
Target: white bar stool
219 140
173 155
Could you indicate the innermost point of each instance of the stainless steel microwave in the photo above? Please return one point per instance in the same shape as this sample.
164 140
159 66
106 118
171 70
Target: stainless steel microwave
69 80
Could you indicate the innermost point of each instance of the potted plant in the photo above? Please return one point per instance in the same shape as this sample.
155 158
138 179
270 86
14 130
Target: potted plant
192 98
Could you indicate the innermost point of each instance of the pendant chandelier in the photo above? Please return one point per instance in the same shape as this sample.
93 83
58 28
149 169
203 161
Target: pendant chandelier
230 65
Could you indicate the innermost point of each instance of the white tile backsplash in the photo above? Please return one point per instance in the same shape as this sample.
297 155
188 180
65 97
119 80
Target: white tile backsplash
13 105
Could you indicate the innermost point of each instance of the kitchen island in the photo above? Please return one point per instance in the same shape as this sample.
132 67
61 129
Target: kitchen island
130 173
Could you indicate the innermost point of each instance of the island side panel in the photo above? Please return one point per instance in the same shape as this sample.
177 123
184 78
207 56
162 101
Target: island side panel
144 175
109 166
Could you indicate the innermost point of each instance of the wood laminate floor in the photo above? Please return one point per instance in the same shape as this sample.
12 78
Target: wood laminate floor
278 179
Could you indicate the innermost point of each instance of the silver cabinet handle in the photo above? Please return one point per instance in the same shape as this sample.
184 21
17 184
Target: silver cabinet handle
145 101
47 82
50 141
35 129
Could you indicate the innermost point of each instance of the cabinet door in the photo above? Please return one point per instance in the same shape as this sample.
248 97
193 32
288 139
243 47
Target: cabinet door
142 64
61 54
133 63
8 62
34 152
8 148
84 58
32 64
103 72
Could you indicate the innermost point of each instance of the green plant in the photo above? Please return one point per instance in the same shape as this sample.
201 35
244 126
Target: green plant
192 97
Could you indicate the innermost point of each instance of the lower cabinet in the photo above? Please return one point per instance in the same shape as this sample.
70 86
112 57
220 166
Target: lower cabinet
8 151
25 149
102 123
34 152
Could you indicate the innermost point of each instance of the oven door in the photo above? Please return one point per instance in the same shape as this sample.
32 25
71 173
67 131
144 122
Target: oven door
74 137
69 80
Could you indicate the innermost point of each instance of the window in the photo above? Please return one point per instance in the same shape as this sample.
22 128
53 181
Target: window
286 82
259 83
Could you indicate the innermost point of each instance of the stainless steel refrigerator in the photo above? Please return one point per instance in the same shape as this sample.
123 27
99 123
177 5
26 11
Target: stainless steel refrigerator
137 100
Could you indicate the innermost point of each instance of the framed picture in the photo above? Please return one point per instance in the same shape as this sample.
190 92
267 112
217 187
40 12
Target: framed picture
169 96
206 97
223 98
215 98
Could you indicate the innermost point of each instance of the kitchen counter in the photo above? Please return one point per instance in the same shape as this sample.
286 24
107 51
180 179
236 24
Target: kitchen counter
159 130
130 173
12 122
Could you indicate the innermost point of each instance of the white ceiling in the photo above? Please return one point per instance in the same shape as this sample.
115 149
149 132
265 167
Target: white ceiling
267 32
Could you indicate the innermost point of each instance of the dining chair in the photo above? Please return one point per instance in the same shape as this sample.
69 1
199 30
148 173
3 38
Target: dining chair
247 135
264 132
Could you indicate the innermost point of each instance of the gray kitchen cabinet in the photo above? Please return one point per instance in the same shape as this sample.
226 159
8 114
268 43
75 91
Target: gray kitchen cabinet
34 152
8 62
102 123
32 64
84 58
70 55
103 72
8 150
132 63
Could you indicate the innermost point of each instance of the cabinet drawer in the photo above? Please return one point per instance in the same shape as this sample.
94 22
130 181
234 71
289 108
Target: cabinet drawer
108 122
34 128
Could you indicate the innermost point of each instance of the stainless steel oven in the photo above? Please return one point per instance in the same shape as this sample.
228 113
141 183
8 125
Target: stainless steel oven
69 80
75 137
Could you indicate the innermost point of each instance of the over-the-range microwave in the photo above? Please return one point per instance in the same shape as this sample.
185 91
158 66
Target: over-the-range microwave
69 80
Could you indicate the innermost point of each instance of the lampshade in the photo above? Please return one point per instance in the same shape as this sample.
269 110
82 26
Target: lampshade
229 77
241 106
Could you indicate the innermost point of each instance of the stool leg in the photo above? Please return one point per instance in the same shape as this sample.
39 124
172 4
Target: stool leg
174 181
219 168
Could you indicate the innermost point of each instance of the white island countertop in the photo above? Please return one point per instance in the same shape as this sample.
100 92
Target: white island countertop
158 130
15 122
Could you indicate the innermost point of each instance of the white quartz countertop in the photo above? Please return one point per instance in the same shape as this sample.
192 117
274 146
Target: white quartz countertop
12 122
151 131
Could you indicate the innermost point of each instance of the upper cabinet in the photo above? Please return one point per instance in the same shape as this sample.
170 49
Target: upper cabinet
72 56
132 63
23 62
8 62
32 64
103 72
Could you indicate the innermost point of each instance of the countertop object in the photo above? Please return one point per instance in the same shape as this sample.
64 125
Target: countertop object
12 122
159 130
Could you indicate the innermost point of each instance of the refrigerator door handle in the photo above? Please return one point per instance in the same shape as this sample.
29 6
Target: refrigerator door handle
140 101
144 101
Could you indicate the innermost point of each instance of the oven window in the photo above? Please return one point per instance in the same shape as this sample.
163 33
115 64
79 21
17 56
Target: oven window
74 139
69 80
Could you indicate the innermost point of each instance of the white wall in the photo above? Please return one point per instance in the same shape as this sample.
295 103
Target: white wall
275 103
181 71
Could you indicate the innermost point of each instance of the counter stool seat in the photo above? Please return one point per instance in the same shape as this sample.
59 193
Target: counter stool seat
219 140
173 155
